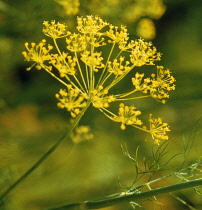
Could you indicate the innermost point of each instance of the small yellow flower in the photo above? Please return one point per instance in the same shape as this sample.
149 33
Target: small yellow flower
64 63
157 86
117 67
71 100
37 53
140 83
143 54
158 129
55 30
116 36
100 98
161 84
93 60
76 42
127 115
90 24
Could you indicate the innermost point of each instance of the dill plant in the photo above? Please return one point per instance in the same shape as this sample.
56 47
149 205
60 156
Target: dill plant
89 76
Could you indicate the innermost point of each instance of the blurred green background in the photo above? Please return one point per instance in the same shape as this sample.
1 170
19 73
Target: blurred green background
30 122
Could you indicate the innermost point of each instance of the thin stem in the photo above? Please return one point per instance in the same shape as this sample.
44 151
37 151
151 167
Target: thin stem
53 75
47 154
91 68
80 71
102 77
119 78
126 94
70 81
126 99
150 182
182 201
122 197
105 78
58 49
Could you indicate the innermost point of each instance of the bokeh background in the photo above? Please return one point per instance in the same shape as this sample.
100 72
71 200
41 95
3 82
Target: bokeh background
30 122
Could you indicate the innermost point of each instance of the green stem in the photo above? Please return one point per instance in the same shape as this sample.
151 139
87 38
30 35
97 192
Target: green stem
47 154
122 197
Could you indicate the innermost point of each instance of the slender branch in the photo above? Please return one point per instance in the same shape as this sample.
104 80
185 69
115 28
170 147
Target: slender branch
47 154
122 197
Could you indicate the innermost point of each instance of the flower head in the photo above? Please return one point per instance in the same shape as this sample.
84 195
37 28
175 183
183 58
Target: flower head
90 24
72 100
161 83
127 115
158 85
55 30
64 63
100 98
93 60
117 66
90 73
143 53
76 42
118 36
37 53
140 83
158 129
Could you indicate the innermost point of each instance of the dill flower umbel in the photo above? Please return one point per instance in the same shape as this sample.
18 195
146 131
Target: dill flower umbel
90 73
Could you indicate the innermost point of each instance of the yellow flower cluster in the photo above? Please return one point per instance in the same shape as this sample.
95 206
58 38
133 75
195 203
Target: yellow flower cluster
89 25
117 67
54 30
100 98
157 85
96 59
37 53
127 115
143 54
158 129
65 64
71 100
